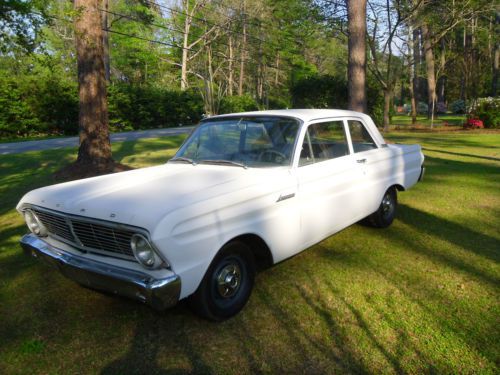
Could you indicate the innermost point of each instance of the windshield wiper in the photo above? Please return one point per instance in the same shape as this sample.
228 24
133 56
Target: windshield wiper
223 162
182 158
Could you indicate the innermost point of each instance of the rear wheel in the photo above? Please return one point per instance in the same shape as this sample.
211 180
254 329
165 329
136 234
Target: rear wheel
385 214
227 284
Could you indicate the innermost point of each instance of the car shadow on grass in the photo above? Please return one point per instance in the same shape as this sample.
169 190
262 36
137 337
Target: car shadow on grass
462 154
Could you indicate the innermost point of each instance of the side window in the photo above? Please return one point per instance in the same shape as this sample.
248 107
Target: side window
361 139
323 141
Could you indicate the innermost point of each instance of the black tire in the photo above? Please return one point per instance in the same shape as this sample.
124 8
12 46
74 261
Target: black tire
227 284
385 214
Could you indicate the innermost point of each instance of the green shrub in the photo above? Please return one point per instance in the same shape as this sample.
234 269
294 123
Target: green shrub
458 106
57 106
234 104
422 108
488 110
16 118
147 107
441 108
32 106
277 103
325 91
375 103
377 111
319 91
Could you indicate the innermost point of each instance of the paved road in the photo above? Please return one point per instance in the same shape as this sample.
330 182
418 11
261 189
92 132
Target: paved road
51 144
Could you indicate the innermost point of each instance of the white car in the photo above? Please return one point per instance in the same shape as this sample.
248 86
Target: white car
243 192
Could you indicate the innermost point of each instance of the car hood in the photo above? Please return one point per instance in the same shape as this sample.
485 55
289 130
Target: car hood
143 197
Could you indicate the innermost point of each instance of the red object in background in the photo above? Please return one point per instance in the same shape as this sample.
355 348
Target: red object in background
474 123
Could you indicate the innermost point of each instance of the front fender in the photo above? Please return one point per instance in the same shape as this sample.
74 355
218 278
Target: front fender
190 237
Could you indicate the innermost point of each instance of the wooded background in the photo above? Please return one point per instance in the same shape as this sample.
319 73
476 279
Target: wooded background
166 62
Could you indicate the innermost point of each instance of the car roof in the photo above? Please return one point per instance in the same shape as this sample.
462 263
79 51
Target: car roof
305 115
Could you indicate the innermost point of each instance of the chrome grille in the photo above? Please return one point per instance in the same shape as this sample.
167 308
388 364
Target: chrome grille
103 238
88 235
55 224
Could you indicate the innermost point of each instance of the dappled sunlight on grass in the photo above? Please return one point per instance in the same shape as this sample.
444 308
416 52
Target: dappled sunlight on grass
147 152
420 296
405 120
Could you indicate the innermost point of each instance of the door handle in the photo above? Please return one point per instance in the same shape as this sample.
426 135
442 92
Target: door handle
362 161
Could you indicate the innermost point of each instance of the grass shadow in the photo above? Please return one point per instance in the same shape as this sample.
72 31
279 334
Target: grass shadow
153 336
462 154
459 235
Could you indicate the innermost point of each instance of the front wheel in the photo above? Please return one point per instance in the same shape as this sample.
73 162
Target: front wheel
227 284
385 214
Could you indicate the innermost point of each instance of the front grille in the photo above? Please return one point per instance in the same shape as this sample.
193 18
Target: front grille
88 235
103 238
56 225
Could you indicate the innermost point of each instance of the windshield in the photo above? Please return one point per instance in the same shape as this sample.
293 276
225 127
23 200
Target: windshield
243 141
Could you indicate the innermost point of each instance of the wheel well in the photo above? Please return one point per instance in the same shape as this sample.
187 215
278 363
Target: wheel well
262 253
399 187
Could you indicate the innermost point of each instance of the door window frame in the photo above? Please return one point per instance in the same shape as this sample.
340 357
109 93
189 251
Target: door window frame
344 119
304 134
368 130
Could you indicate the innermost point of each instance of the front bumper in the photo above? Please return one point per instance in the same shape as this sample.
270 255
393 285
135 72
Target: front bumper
422 173
158 293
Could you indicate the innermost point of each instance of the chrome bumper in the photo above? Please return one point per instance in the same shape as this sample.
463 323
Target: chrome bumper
422 172
158 293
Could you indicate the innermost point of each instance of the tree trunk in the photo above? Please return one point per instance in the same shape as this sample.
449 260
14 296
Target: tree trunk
277 72
243 56
209 85
230 80
474 62
417 58
356 15
463 80
105 41
431 73
259 79
387 108
185 49
441 83
412 67
441 92
95 148
496 58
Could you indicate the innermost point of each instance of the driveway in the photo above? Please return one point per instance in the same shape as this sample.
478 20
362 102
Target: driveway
51 144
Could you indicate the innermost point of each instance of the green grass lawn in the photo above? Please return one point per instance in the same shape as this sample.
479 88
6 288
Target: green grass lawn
404 121
420 296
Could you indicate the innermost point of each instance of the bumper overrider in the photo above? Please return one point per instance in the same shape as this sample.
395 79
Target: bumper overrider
158 293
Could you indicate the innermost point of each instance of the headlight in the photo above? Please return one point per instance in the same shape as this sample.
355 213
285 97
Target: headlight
143 251
34 223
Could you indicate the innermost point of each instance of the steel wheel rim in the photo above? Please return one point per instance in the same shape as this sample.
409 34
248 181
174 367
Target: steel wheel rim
387 205
228 280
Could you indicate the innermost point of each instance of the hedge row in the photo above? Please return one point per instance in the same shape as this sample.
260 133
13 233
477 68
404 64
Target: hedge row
33 107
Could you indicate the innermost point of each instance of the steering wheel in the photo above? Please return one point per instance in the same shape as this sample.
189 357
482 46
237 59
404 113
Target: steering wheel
275 156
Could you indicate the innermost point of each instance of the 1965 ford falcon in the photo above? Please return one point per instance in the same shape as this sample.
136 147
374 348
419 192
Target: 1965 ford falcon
244 191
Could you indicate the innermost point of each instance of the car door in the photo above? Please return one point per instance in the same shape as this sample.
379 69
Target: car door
372 162
327 177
